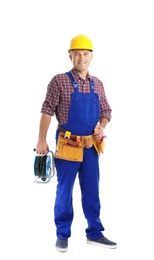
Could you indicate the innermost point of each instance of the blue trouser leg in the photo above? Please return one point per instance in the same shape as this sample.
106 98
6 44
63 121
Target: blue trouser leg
89 183
63 210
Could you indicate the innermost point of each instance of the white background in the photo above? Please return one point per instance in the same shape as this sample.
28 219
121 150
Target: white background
34 42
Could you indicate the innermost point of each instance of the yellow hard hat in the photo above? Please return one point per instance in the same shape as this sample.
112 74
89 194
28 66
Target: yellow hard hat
80 42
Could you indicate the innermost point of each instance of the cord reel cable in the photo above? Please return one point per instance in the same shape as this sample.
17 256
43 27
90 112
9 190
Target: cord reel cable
42 167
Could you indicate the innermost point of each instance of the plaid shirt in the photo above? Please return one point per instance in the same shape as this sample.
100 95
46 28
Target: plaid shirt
60 89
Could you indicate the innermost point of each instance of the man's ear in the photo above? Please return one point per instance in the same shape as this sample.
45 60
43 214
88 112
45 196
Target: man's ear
70 56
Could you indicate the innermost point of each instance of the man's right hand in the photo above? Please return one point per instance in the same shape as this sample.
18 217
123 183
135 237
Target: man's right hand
42 147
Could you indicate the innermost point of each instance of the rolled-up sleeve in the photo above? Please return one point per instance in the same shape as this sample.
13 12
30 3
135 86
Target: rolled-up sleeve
51 99
105 108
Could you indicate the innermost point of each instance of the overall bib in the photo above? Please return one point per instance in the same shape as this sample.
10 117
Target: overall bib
83 116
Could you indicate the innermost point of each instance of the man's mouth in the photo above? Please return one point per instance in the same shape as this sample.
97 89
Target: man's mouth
81 62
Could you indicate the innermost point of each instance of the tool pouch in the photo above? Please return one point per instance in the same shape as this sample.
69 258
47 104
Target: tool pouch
68 149
88 141
99 146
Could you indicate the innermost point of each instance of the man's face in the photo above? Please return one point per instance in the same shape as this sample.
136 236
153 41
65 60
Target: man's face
81 59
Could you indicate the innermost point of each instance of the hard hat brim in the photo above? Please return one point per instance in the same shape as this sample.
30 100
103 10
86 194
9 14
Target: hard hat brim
79 49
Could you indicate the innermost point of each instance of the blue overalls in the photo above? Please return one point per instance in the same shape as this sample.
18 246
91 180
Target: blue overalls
82 119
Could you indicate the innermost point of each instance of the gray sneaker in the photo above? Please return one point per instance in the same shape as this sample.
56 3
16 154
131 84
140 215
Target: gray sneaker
62 245
102 241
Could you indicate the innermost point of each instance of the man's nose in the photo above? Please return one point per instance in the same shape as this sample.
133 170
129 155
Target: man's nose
80 56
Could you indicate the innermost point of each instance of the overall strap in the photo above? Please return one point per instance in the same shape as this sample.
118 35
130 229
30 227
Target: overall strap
75 86
92 85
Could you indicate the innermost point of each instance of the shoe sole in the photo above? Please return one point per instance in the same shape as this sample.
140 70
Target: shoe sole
102 245
59 249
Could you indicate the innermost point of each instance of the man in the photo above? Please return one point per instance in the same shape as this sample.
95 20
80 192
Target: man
79 103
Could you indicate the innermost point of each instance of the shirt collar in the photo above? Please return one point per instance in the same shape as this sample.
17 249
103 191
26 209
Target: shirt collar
76 75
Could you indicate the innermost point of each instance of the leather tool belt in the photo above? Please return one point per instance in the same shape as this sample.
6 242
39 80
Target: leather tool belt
71 148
